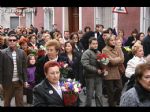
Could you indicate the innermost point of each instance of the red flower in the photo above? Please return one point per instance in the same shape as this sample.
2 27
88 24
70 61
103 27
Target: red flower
41 53
101 56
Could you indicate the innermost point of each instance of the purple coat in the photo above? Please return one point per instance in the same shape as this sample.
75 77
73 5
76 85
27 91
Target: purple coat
31 76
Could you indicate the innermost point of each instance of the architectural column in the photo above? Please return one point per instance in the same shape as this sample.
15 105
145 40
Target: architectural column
63 17
115 21
80 18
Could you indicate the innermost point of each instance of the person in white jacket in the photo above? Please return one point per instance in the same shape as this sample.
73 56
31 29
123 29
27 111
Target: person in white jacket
137 59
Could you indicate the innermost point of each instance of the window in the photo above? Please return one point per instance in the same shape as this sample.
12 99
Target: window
14 22
28 19
104 16
48 19
145 19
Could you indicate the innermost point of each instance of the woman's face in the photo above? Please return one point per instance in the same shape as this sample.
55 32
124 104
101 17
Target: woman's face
53 74
112 41
75 38
33 39
24 46
68 48
32 60
140 52
119 42
145 80
52 52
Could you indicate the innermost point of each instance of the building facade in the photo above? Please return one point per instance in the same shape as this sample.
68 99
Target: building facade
76 18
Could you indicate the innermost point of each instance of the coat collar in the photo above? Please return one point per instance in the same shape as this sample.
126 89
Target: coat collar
143 94
51 90
9 53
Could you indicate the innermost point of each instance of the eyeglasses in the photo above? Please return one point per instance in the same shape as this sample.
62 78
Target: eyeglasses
12 40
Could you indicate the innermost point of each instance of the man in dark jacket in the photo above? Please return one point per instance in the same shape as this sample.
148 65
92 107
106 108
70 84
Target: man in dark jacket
92 73
13 72
146 43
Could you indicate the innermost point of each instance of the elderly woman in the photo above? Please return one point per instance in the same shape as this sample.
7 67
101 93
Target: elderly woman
139 95
48 92
137 51
113 79
52 54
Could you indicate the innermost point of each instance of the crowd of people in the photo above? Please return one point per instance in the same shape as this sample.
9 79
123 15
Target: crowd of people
30 64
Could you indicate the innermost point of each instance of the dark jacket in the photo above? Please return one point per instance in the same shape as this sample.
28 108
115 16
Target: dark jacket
43 97
39 73
129 41
101 42
73 65
8 66
146 45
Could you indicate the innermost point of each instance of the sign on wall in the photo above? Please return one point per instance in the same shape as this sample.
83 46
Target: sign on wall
122 10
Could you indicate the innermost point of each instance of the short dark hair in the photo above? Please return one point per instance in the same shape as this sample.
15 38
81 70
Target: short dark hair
91 39
13 35
87 27
99 25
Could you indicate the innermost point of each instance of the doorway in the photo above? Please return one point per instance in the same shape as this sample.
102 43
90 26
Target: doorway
73 15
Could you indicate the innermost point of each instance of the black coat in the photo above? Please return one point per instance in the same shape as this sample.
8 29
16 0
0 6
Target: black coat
146 45
43 97
101 43
129 41
40 67
73 65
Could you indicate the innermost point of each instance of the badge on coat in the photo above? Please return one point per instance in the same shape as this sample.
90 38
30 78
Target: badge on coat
50 91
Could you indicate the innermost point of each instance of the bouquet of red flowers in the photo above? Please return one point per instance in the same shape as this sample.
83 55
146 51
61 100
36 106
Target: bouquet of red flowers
41 51
71 90
102 58
65 70
103 61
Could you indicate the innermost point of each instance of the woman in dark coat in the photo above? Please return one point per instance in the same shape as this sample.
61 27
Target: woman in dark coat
72 59
132 39
48 92
52 49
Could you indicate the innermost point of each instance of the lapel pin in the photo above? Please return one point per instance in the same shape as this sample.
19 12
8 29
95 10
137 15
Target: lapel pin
50 91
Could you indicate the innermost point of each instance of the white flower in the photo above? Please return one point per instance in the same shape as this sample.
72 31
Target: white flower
65 65
76 90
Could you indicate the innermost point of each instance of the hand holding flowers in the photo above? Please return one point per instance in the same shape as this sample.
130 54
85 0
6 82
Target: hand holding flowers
103 61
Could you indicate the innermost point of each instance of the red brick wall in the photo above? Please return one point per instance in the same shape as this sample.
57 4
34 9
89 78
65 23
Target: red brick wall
39 18
130 21
88 17
58 17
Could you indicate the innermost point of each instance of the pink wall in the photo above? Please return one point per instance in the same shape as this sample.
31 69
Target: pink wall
58 17
130 21
88 17
39 18
23 21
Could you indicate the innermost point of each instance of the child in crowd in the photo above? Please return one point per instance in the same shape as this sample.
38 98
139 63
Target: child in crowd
31 60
